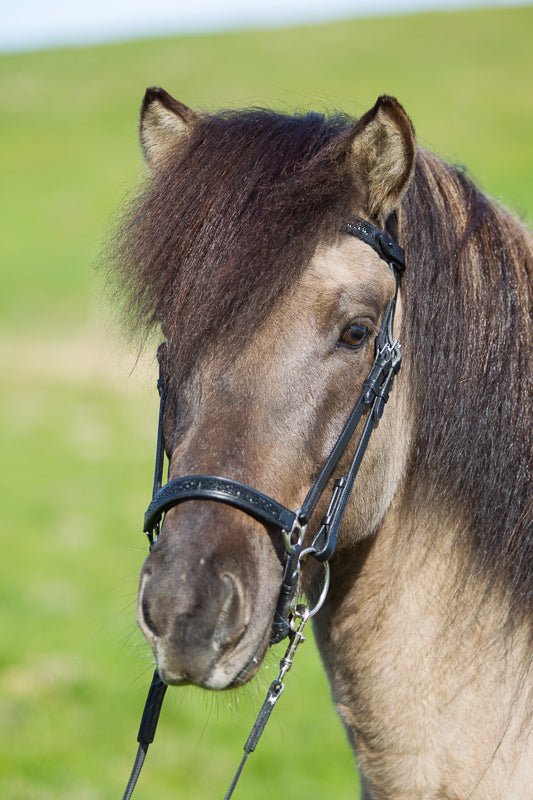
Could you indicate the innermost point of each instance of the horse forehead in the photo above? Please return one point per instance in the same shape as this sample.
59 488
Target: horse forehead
347 264
344 277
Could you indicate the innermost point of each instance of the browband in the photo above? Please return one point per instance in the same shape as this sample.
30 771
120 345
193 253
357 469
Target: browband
381 241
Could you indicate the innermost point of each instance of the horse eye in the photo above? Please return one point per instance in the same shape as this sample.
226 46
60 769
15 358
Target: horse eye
354 336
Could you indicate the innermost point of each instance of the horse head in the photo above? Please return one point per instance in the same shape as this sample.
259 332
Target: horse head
270 311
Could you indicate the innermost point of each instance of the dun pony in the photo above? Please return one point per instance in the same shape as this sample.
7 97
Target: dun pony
234 249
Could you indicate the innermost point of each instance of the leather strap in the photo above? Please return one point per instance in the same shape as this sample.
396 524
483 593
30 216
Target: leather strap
381 241
223 490
147 729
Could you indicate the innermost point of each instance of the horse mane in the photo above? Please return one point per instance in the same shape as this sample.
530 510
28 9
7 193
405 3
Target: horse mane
218 235
467 299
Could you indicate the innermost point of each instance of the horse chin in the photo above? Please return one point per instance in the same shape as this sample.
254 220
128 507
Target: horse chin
250 669
228 672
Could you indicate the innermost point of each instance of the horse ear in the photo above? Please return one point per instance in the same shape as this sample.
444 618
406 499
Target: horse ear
164 123
383 155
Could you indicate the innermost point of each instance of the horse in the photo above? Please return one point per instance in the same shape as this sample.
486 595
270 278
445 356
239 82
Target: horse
236 249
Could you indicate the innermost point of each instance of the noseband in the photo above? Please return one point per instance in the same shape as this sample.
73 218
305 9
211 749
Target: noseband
290 524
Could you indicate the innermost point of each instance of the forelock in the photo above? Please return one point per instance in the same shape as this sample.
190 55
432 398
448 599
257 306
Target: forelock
224 227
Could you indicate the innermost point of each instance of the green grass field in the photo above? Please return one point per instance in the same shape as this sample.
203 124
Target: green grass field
78 426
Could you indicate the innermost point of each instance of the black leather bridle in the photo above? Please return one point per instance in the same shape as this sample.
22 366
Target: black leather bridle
291 524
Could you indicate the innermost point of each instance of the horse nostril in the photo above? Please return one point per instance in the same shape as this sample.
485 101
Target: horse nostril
147 617
231 623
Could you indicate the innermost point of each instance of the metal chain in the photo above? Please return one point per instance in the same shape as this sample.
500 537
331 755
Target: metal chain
298 617
298 620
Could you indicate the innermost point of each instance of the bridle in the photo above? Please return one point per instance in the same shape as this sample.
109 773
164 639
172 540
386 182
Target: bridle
289 617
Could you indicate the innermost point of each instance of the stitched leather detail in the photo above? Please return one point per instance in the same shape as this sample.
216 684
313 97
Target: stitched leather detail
223 490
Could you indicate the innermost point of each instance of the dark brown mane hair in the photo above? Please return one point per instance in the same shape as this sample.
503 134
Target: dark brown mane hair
467 339
230 221
222 231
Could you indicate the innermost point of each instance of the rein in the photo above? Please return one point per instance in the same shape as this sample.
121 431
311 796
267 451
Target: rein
290 617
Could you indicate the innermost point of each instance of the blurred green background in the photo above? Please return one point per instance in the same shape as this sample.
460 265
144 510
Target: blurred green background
78 405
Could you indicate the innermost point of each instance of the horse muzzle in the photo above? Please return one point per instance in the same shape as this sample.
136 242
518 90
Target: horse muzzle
203 602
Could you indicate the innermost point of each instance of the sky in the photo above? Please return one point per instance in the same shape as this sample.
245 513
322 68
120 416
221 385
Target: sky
30 24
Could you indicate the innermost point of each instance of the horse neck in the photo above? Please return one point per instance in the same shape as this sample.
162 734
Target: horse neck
417 662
